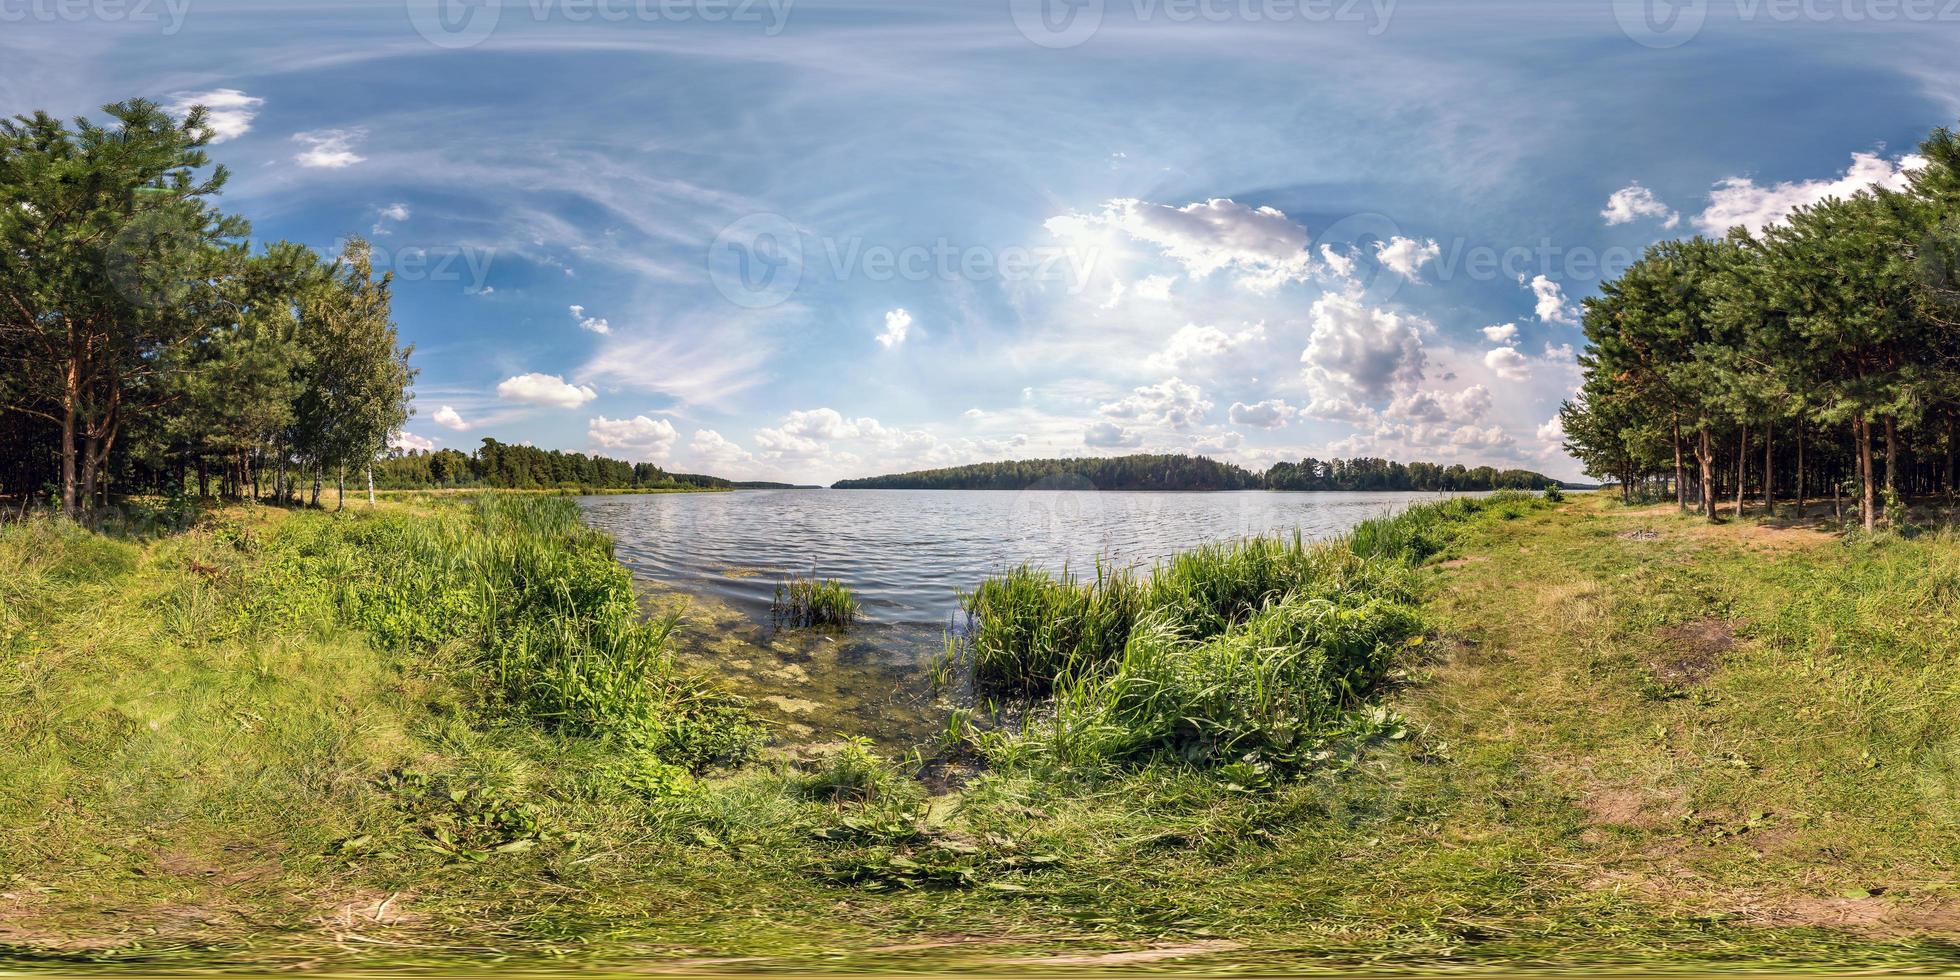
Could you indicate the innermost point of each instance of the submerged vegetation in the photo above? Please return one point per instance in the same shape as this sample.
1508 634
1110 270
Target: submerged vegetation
813 601
1507 734
1146 471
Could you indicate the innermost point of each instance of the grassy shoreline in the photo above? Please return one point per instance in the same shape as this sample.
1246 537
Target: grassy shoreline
1625 738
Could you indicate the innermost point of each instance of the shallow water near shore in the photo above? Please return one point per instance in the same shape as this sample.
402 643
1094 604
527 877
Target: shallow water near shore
907 555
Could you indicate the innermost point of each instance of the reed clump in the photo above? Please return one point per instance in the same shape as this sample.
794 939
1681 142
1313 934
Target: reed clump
533 599
1259 648
803 602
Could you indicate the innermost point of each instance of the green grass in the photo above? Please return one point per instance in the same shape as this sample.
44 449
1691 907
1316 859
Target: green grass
803 602
283 740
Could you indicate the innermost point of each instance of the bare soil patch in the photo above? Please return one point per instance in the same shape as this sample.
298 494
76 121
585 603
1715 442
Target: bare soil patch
1692 652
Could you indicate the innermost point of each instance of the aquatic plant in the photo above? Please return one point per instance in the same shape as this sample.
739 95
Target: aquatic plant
813 601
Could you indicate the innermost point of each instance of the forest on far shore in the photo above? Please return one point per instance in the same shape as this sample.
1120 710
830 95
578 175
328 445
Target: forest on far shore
1146 471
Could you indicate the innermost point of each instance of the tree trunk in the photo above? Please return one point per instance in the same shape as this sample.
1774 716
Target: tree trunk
1705 454
89 463
69 396
1741 466
317 477
370 478
1769 472
340 489
1869 491
1891 456
1680 484
1800 486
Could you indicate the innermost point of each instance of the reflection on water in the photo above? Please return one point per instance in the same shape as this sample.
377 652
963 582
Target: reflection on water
907 555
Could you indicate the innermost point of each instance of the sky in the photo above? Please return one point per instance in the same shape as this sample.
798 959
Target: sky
807 240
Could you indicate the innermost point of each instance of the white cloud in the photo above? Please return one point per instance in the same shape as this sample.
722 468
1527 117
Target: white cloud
1173 402
1261 244
1501 333
1458 408
1507 363
544 389
1109 435
1218 444
646 438
1154 288
713 448
1272 413
590 324
406 441
897 324
389 213
1633 202
448 419
1740 201
1192 342
1552 305
329 148
1341 264
1552 433
1403 256
1357 350
229 112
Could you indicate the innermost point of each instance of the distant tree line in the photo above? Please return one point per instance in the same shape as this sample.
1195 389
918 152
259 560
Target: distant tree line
1177 472
1820 357
502 465
146 345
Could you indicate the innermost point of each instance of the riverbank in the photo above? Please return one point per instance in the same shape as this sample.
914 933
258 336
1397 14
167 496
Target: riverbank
1624 737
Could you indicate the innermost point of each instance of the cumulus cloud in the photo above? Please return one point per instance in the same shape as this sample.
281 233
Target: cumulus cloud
448 419
1109 435
1358 350
712 447
1193 342
898 323
329 148
590 324
1501 333
409 441
1404 256
644 437
1340 263
1633 202
388 213
1741 201
544 389
1552 305
1269 414
1507 363
229 112
1172 402
1260 244
1154 288
1469 405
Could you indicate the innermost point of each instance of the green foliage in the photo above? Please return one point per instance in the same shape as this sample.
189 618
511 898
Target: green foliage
549 617
1255 647
1145 471
502 465
813 601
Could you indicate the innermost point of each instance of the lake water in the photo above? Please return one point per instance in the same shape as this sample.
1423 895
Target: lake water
907 555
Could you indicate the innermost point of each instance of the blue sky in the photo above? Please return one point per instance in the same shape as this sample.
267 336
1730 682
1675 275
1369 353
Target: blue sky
808 240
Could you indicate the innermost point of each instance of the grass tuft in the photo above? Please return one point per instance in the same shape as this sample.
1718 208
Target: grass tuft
802 602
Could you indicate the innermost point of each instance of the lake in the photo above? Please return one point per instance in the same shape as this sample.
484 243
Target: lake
907 555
